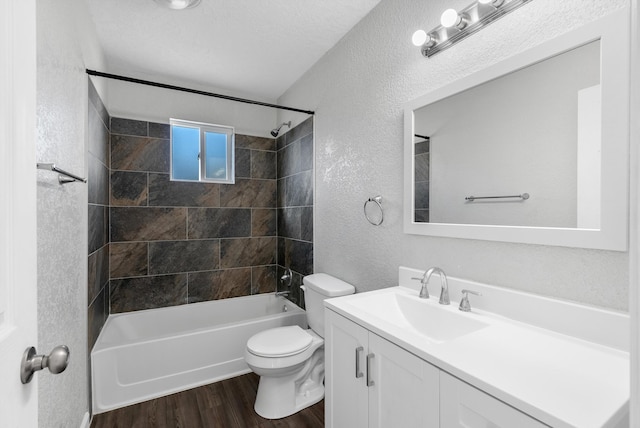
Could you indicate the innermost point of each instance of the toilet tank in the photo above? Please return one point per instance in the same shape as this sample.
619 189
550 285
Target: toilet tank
318 287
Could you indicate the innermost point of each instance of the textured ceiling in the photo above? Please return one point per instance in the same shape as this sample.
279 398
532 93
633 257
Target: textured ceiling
249 47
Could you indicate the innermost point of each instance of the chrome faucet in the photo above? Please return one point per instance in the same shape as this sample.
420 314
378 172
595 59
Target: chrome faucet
444 291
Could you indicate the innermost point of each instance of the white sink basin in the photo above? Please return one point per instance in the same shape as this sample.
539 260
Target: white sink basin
438 323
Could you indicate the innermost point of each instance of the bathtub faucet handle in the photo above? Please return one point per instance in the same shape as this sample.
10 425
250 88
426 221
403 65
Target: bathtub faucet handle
286 278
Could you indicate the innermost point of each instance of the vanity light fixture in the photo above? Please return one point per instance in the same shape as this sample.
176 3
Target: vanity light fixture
178 4
455 26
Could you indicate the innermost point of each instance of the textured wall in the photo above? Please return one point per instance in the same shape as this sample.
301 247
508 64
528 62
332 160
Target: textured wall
64 48
176 242
295 205
358 90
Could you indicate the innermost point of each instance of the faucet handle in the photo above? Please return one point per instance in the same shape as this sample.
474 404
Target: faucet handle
465 306
424 292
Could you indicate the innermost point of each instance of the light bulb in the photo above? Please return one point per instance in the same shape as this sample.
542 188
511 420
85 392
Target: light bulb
178 4
450 18
419 37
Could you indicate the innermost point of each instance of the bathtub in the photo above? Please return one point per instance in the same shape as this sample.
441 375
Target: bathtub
147 354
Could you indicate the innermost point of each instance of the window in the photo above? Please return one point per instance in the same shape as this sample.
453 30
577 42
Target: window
202 152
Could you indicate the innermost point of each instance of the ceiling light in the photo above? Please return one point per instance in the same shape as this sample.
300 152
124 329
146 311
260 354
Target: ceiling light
178 4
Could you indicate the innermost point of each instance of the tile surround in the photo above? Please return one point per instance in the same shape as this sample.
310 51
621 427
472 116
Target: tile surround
148 224
421 180
294 200
98 215
172 243
139 153
128 259
221 284
183 256
149 292
221 238
163 192
129 189
246 252
206 223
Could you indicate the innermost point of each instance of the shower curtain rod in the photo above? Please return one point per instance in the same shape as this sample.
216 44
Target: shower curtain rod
194 91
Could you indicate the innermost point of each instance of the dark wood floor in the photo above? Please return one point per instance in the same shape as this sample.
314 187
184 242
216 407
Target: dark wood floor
226 404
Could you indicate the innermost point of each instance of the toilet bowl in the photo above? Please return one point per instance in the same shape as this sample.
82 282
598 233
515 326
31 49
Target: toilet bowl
290 360
286 382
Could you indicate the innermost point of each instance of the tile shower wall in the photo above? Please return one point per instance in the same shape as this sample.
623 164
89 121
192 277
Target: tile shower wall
174 243
421 179
98 246
295 205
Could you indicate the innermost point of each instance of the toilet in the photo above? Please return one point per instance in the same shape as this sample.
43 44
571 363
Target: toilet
290 360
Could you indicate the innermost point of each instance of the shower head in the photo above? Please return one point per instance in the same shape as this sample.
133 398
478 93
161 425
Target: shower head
276 131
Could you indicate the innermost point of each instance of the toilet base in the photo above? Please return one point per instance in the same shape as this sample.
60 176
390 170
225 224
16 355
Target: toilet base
278 399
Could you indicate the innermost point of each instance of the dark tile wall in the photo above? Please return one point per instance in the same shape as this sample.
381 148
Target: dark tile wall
98 218
295 205
421 178
175 243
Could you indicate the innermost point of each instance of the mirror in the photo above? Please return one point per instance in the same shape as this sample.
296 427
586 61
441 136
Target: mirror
533 133
532 150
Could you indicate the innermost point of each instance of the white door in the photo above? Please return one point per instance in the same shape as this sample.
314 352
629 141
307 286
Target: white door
18 402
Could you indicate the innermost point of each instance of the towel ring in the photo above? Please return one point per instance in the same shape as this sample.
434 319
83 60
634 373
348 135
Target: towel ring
378 202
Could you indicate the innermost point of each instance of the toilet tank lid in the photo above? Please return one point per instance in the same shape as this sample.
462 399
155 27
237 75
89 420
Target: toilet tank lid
328 285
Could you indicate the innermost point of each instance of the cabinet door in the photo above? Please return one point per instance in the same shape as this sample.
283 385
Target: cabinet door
345 388
405 390
463 406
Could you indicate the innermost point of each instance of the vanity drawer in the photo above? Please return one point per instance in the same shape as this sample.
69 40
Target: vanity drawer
463 406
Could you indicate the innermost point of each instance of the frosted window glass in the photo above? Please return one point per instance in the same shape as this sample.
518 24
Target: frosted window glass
185 153
216 152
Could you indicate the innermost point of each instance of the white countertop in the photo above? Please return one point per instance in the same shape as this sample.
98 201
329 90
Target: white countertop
561 380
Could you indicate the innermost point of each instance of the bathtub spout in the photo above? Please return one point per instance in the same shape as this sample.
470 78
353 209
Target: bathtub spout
282 293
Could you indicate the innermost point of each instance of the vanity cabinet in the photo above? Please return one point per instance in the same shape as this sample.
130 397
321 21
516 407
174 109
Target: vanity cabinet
463 406
373 383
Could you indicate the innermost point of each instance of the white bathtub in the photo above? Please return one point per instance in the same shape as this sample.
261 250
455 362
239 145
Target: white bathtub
147 354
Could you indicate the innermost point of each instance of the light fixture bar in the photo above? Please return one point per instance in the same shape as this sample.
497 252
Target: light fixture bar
476 16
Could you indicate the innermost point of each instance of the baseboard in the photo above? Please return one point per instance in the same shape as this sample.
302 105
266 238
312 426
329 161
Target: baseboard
86 421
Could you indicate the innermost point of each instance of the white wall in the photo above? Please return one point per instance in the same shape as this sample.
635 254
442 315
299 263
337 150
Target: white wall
65 45
358 90
153 104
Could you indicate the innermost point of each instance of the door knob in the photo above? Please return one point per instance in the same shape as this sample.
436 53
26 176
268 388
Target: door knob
56 362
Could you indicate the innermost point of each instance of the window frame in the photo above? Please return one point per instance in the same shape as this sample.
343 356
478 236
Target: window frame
203 128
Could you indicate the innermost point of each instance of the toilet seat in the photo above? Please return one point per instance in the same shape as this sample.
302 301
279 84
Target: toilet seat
280 342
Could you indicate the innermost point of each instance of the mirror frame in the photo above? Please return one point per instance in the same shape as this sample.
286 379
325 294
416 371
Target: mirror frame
613 32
